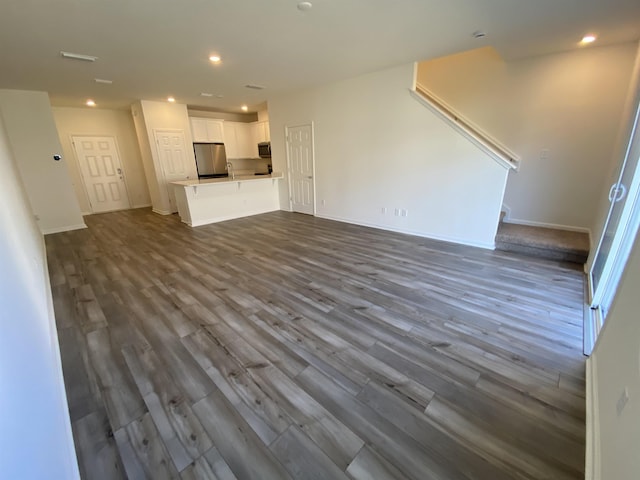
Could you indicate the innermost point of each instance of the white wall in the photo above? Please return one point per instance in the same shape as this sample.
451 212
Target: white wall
35 431
263 115
569 104
108 123
616 363
33 138
149 116
376 146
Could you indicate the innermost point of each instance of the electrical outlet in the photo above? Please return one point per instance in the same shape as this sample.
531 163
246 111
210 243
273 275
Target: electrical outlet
322 202
622 401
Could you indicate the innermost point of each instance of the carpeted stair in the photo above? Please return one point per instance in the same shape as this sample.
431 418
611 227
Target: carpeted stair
549 243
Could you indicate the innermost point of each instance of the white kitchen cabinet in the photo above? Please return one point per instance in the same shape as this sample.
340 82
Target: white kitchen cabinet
207 130
238 140
261 132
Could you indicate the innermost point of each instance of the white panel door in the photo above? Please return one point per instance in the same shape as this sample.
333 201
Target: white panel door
101 173
300 155
172 155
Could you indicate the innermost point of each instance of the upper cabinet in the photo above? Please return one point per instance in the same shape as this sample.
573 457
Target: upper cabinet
238 140
261 132
207 130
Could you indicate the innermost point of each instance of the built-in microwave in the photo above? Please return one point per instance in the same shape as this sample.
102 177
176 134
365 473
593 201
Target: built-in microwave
264 149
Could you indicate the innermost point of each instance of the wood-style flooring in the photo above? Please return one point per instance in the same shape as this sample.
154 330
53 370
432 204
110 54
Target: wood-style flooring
285 346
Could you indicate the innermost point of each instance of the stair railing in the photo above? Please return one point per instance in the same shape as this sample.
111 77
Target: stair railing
484 141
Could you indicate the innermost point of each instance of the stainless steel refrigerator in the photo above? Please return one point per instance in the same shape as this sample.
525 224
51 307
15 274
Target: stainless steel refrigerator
211 159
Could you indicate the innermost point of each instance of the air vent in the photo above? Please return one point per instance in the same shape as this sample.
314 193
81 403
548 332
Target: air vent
255 87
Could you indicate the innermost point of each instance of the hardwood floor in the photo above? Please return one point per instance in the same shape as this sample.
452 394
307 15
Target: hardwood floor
286 346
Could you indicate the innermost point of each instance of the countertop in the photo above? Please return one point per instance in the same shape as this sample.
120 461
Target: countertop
237 179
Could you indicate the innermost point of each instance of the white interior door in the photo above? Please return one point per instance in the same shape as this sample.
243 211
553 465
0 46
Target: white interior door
300 155
101 172
172 155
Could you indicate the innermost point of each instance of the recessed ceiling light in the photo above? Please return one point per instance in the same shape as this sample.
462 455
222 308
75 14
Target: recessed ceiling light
90 103
588 39
171 99
79 56
255 87
305 6
244 108
215 58
203 94
102 80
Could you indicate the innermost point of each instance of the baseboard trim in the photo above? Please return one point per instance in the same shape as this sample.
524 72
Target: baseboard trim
486 246
507 211
142 205
68 228
592 447
161 212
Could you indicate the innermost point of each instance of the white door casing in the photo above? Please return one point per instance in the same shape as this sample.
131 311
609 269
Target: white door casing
101 172
301 168
172 156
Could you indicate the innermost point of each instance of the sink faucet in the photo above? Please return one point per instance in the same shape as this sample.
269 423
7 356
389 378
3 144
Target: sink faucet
230 169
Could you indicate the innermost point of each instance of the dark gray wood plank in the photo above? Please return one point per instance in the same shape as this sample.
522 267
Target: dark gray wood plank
210 466
414 460
98 456
122 399
238 444
303 458
180 430
369 465
143 453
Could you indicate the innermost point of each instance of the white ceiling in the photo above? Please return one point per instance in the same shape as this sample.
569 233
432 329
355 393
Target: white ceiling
155 48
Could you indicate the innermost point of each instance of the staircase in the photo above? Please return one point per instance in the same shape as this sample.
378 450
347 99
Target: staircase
541 242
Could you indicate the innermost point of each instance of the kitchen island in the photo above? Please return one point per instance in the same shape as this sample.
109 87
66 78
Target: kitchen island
205 201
